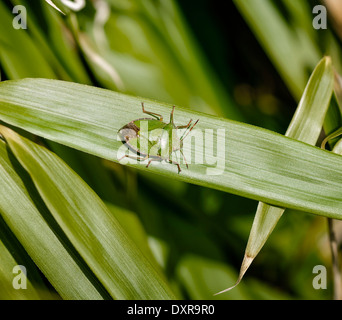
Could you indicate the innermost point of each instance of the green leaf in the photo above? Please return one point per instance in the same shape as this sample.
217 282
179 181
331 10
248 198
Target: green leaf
307 122
251 162
30 227
9 247
289 48
306 126
134 228
54 6
12 42
202 276
86 221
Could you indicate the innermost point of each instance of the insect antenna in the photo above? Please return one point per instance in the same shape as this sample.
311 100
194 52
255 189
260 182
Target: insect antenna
185 134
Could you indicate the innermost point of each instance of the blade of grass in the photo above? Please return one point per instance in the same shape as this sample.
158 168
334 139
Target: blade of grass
6 277
306 126
91 228
50 2
134 228
258 164
201 276
48 252
90 169
333 239
11 255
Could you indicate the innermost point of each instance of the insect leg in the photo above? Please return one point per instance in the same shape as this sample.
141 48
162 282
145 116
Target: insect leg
186 126
149 163
177 164
181 151
133 157
158 116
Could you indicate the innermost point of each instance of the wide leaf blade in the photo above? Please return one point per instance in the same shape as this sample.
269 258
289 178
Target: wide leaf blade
48 252
306 126
250 161
89 225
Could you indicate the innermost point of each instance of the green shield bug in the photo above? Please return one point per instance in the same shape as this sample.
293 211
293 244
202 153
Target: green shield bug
154 140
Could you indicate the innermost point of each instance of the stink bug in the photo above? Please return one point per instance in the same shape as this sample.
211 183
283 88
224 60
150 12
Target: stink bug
150 139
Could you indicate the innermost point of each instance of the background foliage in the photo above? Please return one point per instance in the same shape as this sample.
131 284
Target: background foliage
250 63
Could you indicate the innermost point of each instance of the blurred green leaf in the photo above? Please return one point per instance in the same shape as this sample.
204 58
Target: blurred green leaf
86 221
145 48
44 246
151 48
12 42
289 49
51 3
202 277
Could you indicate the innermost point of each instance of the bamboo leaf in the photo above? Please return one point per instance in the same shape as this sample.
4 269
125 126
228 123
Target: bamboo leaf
21 215
256 163
54 6
335 243
8 263
306 126
86 221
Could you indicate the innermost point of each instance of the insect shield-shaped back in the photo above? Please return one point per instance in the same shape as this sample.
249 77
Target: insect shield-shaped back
148 138
153 139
